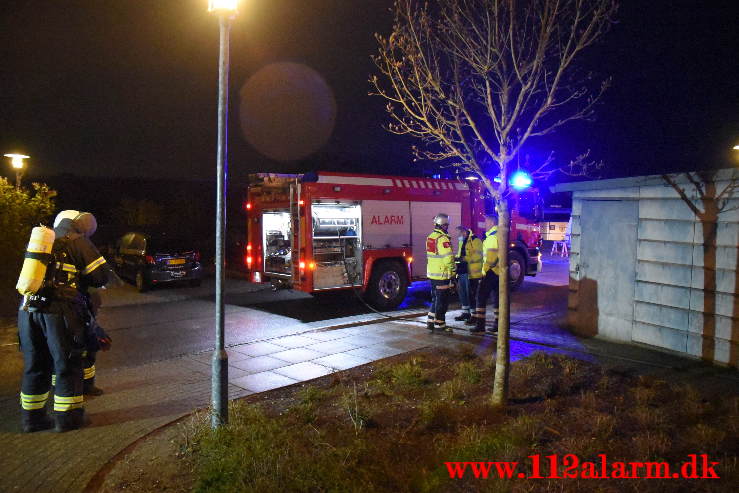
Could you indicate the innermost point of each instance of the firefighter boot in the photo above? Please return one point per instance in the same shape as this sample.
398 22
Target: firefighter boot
493 329
35 420
478 320
89 388
69 420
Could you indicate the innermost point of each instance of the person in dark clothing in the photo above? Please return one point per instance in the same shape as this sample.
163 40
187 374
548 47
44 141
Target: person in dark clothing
51 331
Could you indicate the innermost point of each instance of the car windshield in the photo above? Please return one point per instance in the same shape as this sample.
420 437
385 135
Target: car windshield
164 243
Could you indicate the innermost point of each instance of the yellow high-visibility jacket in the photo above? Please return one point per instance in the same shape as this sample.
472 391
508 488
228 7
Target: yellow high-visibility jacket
472 255
490 251
439 256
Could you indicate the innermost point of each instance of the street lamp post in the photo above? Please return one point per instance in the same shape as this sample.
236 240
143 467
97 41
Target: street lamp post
226 10
17 160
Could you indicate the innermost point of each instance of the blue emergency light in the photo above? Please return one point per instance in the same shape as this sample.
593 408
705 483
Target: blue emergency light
519 180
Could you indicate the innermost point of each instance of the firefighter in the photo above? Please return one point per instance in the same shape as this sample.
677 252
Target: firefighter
440 270
469 271
51 332
490 273
95 337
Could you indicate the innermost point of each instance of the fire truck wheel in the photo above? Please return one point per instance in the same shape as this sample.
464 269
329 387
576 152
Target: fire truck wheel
516 269
388 285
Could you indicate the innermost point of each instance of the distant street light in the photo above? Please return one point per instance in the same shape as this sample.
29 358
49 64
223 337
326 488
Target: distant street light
226 10
17 160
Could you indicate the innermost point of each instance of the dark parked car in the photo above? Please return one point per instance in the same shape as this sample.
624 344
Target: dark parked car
156 258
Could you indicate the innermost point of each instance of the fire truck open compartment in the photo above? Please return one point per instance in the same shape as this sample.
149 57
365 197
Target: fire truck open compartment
337 244
276 241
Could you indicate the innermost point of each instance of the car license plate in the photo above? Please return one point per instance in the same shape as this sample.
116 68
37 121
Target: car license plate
178 273
176 261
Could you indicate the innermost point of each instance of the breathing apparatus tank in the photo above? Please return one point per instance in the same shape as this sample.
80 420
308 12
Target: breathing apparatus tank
38 255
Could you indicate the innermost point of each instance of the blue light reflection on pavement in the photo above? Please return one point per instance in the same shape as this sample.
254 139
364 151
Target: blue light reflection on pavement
419 293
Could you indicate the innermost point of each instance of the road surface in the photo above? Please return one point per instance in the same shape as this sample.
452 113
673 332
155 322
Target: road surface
171 321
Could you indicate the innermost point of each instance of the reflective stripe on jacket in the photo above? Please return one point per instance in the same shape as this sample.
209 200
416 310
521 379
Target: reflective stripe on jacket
439 256
490 251
472 255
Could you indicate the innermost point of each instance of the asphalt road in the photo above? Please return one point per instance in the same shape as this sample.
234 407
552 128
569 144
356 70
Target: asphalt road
171 321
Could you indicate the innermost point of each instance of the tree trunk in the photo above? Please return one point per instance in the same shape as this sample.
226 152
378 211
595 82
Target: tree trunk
710 226
502 357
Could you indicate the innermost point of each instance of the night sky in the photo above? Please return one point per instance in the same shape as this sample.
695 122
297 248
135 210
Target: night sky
128 87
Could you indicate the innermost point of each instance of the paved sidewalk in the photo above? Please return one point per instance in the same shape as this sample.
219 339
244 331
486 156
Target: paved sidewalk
138 400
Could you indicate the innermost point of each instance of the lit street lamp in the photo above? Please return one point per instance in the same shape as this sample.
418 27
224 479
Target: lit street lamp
226 10
17 160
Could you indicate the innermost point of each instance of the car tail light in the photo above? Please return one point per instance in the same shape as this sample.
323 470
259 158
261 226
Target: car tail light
150 260
312 265
301 265
248 247
409 259
249 260
248 206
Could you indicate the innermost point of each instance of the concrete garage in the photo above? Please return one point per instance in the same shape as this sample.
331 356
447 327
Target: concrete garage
654 261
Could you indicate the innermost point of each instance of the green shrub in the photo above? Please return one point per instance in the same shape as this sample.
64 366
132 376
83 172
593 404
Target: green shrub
22 209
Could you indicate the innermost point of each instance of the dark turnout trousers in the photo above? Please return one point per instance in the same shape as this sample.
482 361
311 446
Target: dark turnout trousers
439 304
48 348
488 285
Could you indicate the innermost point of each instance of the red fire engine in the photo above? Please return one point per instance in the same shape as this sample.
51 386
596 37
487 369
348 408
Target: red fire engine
326 231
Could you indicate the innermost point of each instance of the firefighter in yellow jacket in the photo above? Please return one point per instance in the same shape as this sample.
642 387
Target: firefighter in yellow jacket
440 270
490 272
469 271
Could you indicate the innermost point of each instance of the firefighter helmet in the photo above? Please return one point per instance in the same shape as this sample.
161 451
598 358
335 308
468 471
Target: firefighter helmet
441 219
86 223
68 214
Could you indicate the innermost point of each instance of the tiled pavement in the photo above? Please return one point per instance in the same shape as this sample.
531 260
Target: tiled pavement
141 399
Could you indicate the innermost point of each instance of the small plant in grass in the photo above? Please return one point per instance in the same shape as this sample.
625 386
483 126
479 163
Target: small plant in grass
437 415
309 399
453 390
357 415
409 374
469 372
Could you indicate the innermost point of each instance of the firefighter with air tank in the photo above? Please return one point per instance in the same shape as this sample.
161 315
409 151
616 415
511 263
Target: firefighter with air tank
440 269
57 266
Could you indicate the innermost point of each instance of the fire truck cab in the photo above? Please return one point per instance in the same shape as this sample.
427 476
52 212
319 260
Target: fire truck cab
326 231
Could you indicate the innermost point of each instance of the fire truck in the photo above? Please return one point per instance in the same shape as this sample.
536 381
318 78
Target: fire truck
323 231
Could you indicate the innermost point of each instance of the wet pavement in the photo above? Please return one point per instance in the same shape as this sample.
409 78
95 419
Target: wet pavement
162 369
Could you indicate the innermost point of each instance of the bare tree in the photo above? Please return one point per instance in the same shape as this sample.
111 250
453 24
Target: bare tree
474 80
700 191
